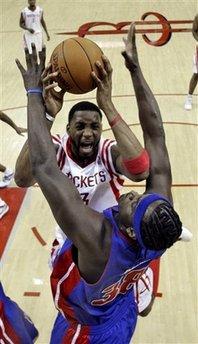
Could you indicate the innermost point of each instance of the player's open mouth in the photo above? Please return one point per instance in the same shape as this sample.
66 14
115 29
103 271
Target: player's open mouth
86 147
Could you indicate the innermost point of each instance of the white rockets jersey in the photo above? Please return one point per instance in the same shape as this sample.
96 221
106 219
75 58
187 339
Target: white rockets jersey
33 18
98 183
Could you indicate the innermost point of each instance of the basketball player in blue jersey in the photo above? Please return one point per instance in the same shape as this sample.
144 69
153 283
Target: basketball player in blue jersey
15 326
93 275
96 166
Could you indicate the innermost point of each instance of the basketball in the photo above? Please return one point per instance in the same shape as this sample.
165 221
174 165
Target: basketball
74 59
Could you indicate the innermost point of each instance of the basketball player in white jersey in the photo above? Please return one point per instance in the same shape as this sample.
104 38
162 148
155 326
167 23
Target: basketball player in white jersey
97 167
194 78
32 21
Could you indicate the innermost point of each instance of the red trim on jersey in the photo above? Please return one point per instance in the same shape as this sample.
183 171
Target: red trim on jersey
9 331
60 269
56 138
106 161
110 163
59 157
62 158
108 167
114 189
60 151
119 180
81 333
104 154
108 153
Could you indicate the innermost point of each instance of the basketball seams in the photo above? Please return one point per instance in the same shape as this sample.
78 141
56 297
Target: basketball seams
62 45
74 59
87 57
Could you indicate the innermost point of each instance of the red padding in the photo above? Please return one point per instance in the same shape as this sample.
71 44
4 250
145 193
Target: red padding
138 165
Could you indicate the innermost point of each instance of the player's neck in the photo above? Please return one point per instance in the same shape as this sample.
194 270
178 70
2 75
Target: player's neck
83 161
133 242
32 8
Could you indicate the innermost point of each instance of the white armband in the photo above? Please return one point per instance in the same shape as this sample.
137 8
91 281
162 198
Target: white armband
49 118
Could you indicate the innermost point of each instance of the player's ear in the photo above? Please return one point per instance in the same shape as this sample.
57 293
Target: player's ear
68 129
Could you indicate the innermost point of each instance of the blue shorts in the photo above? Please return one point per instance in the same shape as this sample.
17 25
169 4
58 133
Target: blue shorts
15 325
120 333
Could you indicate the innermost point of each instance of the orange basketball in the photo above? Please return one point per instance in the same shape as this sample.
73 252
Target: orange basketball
75 59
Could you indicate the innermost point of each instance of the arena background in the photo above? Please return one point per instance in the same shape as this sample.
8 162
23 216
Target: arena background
168 69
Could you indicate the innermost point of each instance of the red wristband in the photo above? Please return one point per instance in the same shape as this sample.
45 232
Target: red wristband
139 164
114 121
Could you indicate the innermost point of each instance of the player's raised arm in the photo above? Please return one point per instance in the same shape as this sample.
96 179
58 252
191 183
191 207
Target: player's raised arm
150 118
129 157
53 104
59 191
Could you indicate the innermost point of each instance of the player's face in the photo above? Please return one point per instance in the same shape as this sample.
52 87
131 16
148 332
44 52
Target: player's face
85 131
127 205
32 2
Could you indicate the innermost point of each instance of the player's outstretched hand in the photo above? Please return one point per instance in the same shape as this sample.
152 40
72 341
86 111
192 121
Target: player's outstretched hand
103 82
32 76
130 53
53 99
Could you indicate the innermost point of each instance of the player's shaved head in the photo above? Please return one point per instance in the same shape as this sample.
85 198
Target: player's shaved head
83 106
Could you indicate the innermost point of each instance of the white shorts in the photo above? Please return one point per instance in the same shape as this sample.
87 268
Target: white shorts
36 38
143 290
195 62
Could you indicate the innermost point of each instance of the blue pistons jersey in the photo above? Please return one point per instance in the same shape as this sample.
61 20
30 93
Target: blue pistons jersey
106 311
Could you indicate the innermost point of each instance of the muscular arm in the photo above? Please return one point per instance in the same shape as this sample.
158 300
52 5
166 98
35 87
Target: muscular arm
159 179
195 27
23 172
128 147
53 103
